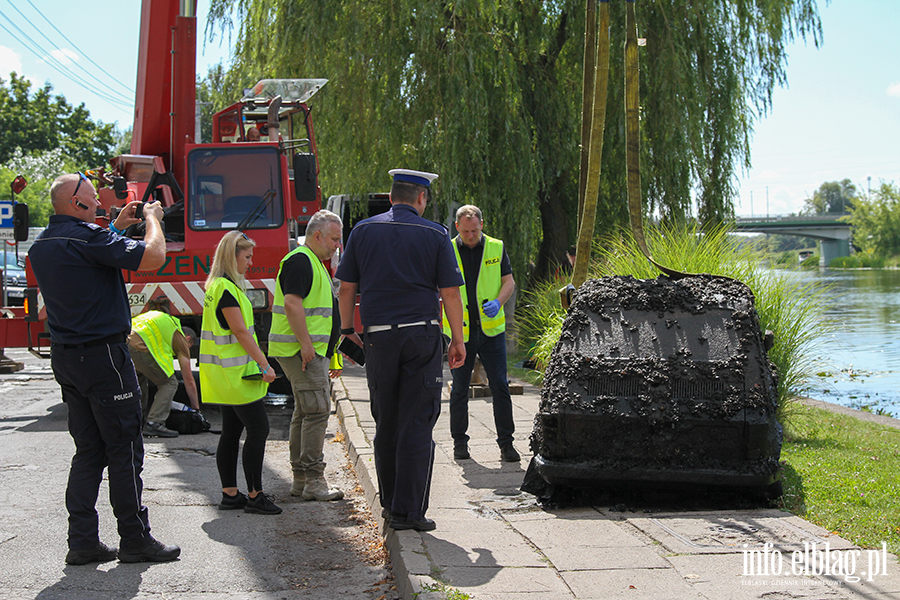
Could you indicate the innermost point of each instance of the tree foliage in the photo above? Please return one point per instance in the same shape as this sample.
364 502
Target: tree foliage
831 197
876 221
39 168
488 95
43 136
38 121
212 96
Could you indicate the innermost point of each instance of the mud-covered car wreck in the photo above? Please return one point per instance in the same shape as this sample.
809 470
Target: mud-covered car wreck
658 383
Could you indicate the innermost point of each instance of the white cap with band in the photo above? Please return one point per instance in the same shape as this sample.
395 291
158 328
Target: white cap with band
418 177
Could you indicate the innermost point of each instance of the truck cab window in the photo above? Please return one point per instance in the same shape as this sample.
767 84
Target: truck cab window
235 186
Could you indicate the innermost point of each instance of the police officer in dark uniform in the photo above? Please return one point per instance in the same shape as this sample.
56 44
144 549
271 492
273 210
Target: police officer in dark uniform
78 268
401 264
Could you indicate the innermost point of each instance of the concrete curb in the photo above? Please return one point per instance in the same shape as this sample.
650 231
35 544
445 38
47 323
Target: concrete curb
408 555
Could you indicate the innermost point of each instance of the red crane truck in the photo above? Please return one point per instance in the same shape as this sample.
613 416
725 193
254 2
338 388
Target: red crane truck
267 188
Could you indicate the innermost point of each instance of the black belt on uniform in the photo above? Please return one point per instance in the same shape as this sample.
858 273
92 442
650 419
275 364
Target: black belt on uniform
118 338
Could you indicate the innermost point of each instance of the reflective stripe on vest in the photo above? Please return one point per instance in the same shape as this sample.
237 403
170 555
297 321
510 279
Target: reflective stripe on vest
487 287
157 329
318 307
223 339
223 361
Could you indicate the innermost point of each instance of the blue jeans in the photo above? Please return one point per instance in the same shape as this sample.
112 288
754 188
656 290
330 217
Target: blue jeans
492 351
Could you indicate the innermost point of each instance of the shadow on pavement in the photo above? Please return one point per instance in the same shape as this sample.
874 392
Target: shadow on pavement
504 479
53 420
122 582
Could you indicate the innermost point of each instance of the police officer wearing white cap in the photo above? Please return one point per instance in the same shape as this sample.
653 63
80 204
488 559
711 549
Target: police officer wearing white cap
402 264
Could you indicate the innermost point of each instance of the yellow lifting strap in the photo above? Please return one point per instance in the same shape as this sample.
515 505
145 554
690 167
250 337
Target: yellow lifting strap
594 100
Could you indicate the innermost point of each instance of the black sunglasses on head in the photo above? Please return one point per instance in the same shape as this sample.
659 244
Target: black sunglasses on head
83 178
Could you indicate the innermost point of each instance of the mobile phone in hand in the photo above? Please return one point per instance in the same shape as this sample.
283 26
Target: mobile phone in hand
354 352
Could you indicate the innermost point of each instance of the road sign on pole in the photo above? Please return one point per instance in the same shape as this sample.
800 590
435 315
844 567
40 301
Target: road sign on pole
6 221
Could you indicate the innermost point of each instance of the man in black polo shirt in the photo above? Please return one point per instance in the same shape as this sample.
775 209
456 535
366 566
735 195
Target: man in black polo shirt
488 285
305 330
78 266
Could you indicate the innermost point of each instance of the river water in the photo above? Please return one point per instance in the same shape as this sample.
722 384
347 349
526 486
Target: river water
859 363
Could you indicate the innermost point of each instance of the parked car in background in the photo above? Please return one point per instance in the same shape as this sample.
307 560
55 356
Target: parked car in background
14 280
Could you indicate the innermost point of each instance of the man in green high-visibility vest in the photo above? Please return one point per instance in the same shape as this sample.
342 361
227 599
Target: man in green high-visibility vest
488 285
156 341
302 339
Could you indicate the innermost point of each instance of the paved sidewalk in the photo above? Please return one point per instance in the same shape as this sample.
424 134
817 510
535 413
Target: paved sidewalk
494 542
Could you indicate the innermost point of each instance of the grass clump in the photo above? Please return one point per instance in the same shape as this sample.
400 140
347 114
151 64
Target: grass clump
450 593
810 262
843 474
539 317
794 312
787 307
857 261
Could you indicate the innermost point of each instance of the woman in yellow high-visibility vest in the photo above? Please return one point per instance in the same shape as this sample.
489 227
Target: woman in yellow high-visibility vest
229 352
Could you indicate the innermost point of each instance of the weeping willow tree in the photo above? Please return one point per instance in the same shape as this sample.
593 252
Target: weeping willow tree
488 95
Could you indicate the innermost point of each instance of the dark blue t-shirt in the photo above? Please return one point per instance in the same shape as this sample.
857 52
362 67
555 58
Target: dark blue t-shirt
78 269
400 261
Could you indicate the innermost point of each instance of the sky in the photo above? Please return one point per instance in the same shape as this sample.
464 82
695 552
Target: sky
94 42
838 118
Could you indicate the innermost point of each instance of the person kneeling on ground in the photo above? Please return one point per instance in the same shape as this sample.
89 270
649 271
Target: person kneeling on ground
156 340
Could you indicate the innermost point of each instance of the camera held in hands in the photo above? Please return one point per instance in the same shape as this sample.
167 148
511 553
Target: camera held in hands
121 189
115 211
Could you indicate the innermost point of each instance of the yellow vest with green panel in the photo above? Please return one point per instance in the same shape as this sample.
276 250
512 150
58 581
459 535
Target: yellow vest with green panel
487 287
318 306
223 361
157 329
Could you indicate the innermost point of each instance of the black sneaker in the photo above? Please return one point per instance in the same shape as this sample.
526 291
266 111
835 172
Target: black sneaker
262 505
154 551
232 502
508 453
82 556
461 452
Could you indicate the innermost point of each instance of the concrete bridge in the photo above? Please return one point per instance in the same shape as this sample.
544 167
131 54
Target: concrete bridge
834 234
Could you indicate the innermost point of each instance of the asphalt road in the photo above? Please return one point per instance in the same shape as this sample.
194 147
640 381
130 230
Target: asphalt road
312 550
